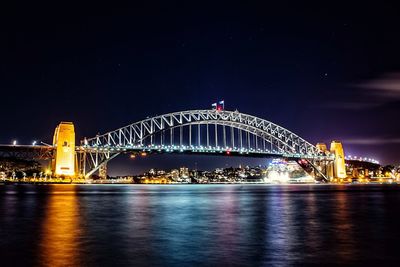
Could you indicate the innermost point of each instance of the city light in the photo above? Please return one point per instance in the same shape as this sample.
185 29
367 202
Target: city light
14 142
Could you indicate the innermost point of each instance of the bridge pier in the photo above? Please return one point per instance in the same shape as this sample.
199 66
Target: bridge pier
64 160
103 171
337 167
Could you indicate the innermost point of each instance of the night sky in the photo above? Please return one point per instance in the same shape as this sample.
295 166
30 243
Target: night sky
324 72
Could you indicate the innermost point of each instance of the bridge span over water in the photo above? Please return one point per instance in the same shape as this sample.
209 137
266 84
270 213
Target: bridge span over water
206 132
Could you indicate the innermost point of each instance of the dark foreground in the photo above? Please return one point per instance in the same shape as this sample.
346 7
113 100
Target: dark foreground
203 225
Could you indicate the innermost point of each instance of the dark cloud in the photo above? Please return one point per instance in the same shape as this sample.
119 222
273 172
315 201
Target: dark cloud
384 88
371 141
370 94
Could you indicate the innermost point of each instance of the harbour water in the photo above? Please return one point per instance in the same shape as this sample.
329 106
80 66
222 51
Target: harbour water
199 225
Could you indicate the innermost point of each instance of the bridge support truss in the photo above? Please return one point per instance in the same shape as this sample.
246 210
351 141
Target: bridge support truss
197 131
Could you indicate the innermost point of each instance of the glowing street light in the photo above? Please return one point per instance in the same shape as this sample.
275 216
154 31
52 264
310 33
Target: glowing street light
14 142
34 143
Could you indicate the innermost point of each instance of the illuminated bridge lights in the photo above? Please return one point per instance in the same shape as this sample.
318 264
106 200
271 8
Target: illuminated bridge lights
365 159
199 131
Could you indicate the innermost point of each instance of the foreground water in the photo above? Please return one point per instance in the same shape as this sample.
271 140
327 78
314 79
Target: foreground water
198 225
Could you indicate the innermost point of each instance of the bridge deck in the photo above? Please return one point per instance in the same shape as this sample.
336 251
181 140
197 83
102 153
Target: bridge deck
31 152
199 151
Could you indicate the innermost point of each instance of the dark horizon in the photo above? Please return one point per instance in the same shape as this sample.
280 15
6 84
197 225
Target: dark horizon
326 72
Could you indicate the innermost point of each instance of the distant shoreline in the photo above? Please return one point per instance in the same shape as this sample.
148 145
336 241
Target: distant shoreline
179 184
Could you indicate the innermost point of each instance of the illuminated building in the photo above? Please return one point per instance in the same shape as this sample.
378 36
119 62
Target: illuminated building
184 172
174 174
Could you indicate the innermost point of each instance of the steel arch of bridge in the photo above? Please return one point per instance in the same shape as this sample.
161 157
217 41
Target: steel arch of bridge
261 137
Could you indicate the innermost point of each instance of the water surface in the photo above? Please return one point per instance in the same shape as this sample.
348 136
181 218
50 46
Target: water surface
199 225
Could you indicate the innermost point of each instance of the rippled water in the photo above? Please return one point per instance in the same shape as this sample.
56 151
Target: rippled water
198 225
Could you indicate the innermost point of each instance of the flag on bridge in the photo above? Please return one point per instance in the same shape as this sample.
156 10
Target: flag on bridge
220 105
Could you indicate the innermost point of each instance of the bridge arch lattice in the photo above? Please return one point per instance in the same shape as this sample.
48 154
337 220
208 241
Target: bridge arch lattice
203 131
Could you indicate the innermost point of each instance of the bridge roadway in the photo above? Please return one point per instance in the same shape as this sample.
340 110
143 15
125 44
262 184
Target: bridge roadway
194 150
40 152
29 152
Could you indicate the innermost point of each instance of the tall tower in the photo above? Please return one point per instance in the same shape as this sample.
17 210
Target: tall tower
339 166
64 142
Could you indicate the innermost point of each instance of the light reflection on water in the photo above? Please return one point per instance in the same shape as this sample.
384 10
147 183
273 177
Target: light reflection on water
203 225
61 228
